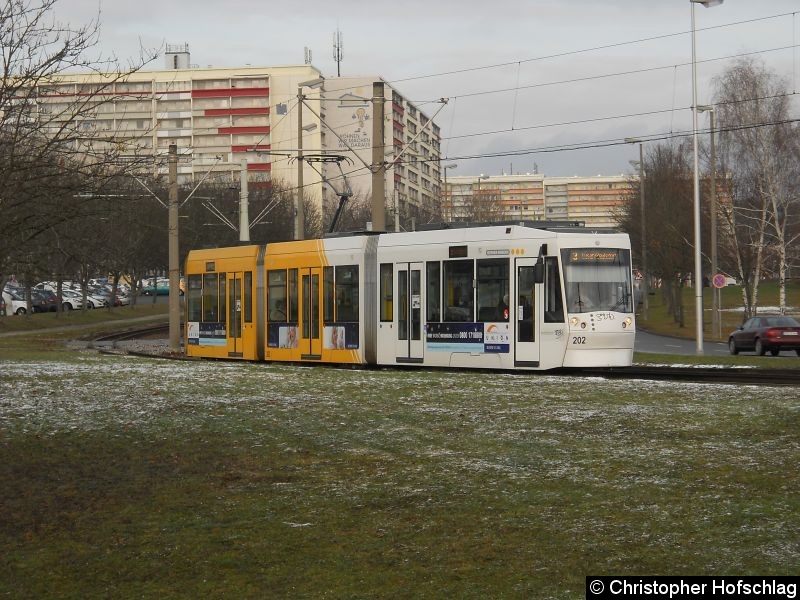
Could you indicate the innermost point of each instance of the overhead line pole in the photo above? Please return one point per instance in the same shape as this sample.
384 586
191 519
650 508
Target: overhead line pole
174 257
378 160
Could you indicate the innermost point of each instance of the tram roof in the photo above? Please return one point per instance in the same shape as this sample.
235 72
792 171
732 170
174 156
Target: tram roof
554 226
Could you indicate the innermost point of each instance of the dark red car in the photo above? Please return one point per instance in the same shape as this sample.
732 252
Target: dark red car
762 334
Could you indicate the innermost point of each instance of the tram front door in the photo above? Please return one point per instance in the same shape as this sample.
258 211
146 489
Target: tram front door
310 314
527 338
410 342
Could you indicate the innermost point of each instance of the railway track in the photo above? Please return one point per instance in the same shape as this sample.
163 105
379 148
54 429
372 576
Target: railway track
728 375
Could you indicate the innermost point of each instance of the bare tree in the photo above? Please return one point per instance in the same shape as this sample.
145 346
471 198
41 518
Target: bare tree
45 158
758 147
669 224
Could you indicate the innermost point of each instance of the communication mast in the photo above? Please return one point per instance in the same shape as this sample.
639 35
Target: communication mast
338 51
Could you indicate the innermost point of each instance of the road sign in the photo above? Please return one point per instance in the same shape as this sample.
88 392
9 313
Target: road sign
719 280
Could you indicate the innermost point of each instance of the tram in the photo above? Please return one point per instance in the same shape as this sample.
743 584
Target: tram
509 296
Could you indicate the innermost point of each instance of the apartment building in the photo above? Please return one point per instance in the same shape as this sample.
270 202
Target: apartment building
224 120
593 200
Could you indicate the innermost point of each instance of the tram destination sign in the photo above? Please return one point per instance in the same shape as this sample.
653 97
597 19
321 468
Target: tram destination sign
594 255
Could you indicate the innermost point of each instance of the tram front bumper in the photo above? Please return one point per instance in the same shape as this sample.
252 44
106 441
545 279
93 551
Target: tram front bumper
596 349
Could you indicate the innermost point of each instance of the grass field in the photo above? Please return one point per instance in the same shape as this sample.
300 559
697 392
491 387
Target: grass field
731 314
128 477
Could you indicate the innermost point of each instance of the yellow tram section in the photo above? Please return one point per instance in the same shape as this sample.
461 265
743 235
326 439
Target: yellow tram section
301 333
236 308
221 303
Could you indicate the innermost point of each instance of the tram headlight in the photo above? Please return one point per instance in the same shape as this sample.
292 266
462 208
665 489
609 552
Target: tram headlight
573 321
627 323
583 325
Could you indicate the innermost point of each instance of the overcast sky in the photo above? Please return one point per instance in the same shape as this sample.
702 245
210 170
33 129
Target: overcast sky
564 62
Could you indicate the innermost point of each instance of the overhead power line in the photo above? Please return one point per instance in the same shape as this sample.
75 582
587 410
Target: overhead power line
607 75
591 49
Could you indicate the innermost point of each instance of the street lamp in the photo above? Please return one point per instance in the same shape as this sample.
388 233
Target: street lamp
645 287
716 324
698 265
449 204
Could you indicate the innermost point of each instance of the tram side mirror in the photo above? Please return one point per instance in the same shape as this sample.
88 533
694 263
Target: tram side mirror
538 271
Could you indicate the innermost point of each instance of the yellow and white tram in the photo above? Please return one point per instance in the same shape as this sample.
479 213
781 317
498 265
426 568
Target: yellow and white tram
500 296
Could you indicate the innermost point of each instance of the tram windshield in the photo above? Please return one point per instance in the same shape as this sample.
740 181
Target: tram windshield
597 279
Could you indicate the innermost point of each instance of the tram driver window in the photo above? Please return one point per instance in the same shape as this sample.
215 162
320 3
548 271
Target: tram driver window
493 290
458 296
553 304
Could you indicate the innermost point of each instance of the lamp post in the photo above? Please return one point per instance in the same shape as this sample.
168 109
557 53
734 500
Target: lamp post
698 264
716 323
645 287
449 202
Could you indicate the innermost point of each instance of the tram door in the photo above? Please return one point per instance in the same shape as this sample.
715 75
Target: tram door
310 314
526 315
410 339
234 283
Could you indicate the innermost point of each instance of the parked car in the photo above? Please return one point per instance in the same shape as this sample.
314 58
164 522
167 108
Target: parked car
15 301
766 333
51 300
71 300
94 300
18 305
160 290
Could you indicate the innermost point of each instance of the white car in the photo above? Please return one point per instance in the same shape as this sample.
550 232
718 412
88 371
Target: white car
95 301
15 302
71 300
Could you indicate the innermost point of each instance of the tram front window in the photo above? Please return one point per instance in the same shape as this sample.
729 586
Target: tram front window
597 279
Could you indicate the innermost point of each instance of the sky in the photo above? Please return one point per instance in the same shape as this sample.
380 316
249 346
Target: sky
526 79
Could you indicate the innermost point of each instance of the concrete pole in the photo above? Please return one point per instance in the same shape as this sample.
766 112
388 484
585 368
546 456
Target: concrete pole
378 165
244 208
174 258
645 283
299 216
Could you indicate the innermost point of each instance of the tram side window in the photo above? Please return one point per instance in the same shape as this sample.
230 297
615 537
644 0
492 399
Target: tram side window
493 290
347 293
553 303
387 292
211 291
458 296
276 289
433 294
292 296
248 296
328 294
194 298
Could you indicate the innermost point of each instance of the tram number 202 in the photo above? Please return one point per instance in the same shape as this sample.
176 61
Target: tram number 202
578 339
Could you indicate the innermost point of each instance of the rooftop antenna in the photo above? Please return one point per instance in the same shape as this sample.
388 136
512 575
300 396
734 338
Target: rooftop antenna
338 52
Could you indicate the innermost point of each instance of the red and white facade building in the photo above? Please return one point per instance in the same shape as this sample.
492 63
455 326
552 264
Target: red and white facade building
224 118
